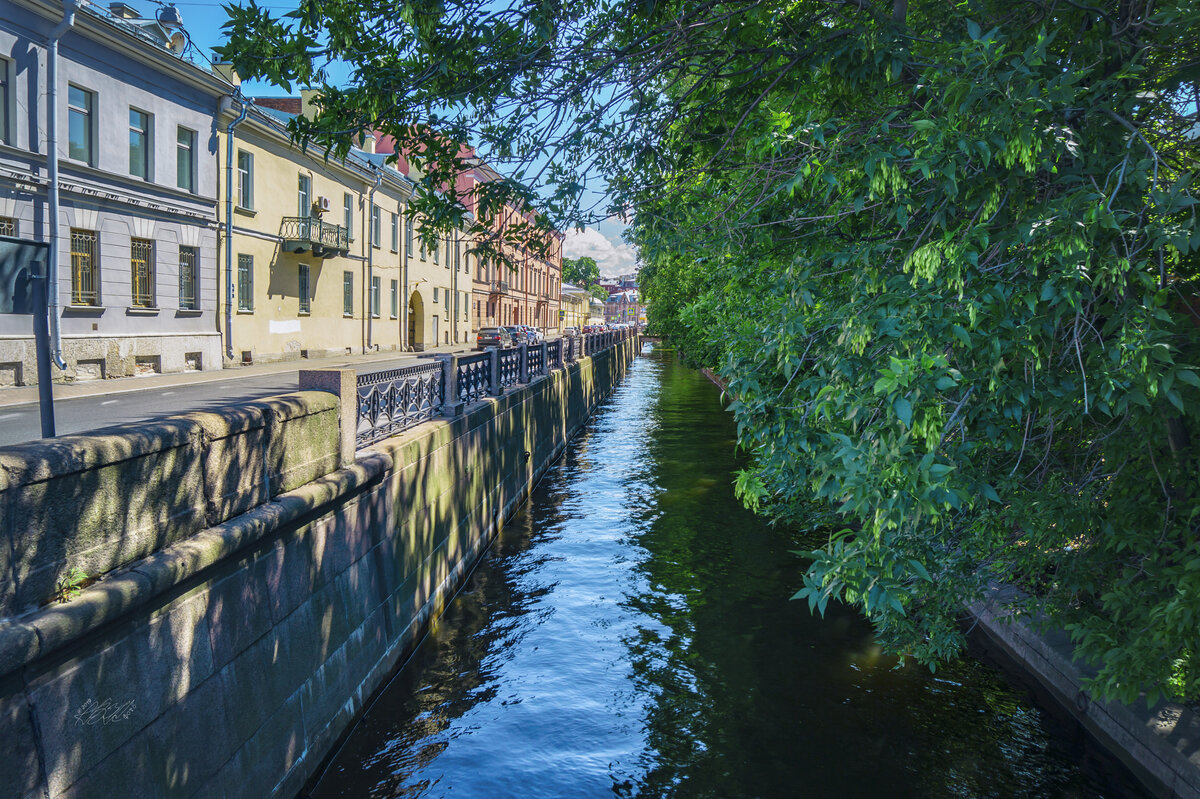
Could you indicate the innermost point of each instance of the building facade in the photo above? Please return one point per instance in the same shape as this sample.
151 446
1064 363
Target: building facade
325 257
574 305
131 219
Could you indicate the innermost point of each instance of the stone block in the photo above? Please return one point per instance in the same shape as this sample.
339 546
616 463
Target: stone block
265 674
21 770
237 612
88 708
99 501
234 461
176 756
258 766
18 645
303 438
343 384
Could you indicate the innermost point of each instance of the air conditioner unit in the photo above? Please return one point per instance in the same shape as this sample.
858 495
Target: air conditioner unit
323 204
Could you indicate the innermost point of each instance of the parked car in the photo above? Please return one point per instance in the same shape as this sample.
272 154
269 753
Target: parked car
493 337
532 334
570 331
518 334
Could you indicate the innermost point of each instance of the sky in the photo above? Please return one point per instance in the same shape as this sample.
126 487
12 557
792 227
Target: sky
202 20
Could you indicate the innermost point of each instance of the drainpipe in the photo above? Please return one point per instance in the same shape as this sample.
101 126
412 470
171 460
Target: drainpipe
68 20
371 253
227 104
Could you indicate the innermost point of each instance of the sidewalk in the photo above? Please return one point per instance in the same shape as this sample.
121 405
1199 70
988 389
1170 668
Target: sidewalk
28 395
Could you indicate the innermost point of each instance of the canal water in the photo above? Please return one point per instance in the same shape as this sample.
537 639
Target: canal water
630 634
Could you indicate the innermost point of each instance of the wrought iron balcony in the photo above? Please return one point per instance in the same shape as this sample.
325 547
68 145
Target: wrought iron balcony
306 233
498 287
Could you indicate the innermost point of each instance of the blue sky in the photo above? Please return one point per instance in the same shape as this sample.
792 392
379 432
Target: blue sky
202 20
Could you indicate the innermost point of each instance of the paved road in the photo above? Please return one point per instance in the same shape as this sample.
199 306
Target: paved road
125 402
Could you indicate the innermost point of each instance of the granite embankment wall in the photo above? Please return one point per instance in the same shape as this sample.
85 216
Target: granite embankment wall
257 588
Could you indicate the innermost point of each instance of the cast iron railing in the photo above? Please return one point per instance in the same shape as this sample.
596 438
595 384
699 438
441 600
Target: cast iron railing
498 287
536 365
393 401
474 377
554 352
302 233
510 366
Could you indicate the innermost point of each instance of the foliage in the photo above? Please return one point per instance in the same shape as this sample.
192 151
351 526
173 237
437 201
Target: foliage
583 271
942 254
71 584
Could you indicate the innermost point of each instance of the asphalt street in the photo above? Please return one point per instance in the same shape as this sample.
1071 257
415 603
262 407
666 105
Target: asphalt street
124 401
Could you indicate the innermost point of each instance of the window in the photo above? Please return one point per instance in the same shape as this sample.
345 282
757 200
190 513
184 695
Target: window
446 299
457 257
140 143
305 298
8 226
347 293
395 299
5 98
80 108
348 204
408 235
435 252
395 232
375 297
376 224
187 278
185 159
141 267
435 294
304 196
245 284
84 279
466 307
245 180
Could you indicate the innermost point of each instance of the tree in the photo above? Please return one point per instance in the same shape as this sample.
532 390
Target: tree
943 255
581 271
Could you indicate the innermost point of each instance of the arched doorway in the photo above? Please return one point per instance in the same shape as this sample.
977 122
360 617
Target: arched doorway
416 322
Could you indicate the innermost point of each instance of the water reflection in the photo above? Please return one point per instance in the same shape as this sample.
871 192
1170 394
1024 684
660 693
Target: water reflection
630 635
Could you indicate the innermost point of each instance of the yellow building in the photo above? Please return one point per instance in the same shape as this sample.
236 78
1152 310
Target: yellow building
575 309
320 257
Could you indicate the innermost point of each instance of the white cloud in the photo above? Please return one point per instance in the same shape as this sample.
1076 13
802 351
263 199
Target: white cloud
613 257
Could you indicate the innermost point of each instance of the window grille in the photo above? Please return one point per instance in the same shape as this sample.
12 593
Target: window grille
84 279
245 282
141 264
187 278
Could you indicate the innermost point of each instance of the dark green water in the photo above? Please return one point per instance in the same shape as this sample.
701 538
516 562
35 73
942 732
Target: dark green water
630 634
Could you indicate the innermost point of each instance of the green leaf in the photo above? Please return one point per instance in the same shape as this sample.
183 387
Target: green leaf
903 410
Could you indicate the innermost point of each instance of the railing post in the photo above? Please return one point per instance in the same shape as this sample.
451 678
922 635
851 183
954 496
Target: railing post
495 389
524 363
545 357
451 406
343 384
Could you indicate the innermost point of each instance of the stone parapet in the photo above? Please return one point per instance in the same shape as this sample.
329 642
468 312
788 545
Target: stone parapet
97 502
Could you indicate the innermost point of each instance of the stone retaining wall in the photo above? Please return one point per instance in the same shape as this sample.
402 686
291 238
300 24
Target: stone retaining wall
261 590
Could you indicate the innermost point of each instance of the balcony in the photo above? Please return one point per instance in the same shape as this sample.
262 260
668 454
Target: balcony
308 234
498 287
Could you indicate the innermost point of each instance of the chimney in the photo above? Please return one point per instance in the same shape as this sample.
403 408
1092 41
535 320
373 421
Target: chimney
308 106
224 70
122 11
368 143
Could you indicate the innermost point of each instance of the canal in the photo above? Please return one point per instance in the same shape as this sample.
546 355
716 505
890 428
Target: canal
630 634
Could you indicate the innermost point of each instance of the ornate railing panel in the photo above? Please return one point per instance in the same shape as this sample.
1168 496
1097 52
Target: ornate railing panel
302 233
510 367
554 351
537 365
474 377
393 401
